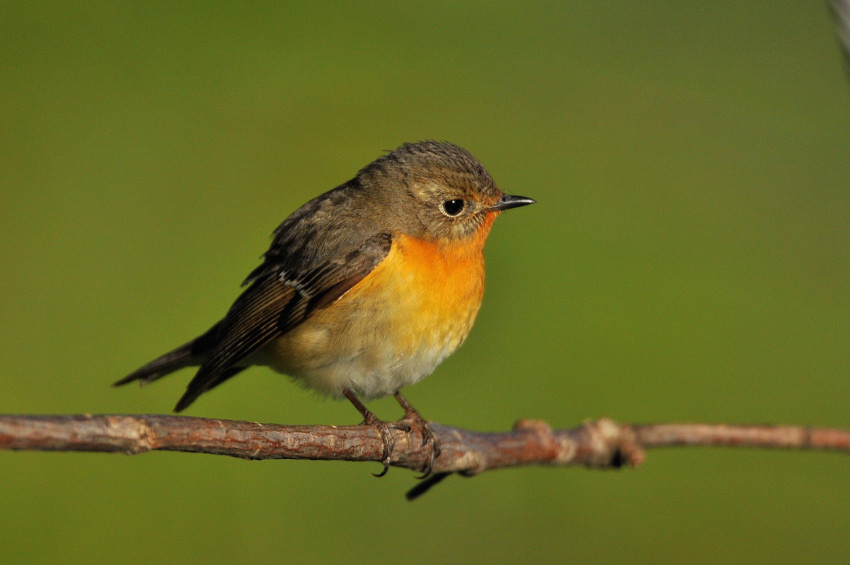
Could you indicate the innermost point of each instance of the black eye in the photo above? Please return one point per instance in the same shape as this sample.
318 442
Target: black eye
453 207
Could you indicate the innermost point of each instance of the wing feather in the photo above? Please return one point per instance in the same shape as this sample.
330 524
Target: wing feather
276 301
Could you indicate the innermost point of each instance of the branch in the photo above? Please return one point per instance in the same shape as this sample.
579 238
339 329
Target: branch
601 444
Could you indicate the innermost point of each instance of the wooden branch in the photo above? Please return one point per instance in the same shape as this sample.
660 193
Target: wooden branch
597 444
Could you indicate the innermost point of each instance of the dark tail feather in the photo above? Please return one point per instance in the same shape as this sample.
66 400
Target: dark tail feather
161 366
191 354
195 389
187 355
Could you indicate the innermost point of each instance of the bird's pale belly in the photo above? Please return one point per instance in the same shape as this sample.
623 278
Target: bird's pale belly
391 329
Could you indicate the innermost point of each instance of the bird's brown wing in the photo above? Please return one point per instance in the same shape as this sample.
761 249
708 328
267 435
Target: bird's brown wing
276 301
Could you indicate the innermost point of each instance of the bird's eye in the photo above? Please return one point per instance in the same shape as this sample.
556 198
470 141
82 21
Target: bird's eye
452 208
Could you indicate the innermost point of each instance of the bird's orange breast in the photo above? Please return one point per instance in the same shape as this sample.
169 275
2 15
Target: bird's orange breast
393 327
440 286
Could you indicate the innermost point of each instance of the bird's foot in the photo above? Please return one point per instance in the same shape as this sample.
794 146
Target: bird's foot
386 430
419 424
412 422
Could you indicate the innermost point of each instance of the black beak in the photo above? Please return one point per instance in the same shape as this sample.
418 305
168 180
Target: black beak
510 201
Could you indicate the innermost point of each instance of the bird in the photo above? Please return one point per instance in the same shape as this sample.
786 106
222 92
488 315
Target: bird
364 290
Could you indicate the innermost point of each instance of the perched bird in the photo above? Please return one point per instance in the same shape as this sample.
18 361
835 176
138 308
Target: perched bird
365 289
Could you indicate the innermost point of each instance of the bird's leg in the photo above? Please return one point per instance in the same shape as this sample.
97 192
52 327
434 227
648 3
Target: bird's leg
384 428
416 421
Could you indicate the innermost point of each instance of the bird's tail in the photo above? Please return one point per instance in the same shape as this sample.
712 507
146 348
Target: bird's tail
189 354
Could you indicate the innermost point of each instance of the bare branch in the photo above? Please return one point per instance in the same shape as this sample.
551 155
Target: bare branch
598 444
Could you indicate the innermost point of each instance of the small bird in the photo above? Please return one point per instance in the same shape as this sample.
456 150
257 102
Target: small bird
364 290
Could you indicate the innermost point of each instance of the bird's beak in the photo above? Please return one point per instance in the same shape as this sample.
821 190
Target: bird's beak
510 201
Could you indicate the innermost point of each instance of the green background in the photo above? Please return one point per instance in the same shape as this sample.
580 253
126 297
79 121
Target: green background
688 260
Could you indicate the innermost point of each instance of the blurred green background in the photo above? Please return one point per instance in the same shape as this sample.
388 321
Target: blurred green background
688 260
